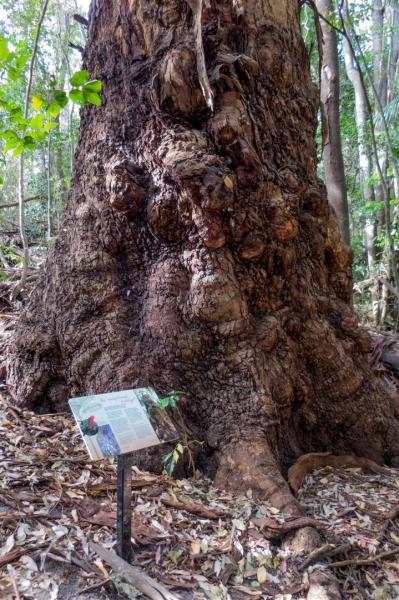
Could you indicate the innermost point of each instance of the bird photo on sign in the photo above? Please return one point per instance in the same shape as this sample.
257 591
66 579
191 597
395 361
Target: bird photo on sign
105 436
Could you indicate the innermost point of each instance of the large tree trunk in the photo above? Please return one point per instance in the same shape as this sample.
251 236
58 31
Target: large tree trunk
198 250
332 147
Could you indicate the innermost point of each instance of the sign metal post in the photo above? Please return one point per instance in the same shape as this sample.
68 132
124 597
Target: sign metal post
124 507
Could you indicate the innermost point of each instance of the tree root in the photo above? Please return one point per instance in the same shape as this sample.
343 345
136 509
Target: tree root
252 466
316 460
274 531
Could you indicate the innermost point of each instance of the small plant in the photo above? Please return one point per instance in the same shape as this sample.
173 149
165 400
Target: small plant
11 252
171 400
171 459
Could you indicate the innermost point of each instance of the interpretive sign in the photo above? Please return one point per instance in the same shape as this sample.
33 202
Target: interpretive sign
121 422
117 424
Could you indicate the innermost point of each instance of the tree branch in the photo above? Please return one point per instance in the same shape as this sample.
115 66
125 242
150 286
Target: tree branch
14 204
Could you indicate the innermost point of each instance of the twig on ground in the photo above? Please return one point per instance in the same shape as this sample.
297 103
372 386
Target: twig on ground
362 561
18 552
323 552
95 586
142 582
190 507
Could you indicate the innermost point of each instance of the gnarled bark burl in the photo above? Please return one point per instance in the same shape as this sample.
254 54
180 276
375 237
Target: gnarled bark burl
198 251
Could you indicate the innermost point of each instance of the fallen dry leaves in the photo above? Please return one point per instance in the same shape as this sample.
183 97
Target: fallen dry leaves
197 540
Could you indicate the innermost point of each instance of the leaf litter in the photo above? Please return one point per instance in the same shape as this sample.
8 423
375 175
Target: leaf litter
198 541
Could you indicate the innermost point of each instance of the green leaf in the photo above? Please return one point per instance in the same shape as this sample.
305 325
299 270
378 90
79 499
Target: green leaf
170 467
60 98
39 136
1 180
94 86
79 78
50 125
29 142
9 134
13 73
37 122
19 149
17 110
11 144
166 457
4 52
53 110
77 97
37 102
20 121
92 97
21 61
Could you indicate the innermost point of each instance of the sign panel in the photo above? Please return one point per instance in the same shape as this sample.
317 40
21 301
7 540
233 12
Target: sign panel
121 422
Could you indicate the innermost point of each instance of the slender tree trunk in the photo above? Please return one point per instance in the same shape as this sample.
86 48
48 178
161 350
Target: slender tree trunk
365 163
393 52
49 188
198 250
380 84
392 72
21 223
21 170
332 148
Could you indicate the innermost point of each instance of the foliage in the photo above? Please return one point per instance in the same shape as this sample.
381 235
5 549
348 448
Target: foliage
171 459
48 161
21 133
170 400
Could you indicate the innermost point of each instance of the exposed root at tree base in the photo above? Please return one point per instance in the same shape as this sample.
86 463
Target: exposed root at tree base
316 460
250 465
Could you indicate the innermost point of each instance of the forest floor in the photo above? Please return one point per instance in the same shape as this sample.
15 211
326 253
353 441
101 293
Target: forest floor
198 541
195 539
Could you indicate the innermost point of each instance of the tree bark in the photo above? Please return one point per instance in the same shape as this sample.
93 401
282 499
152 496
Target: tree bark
198 250
332 147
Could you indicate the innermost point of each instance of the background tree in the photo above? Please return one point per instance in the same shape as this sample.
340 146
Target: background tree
332 150
365 168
